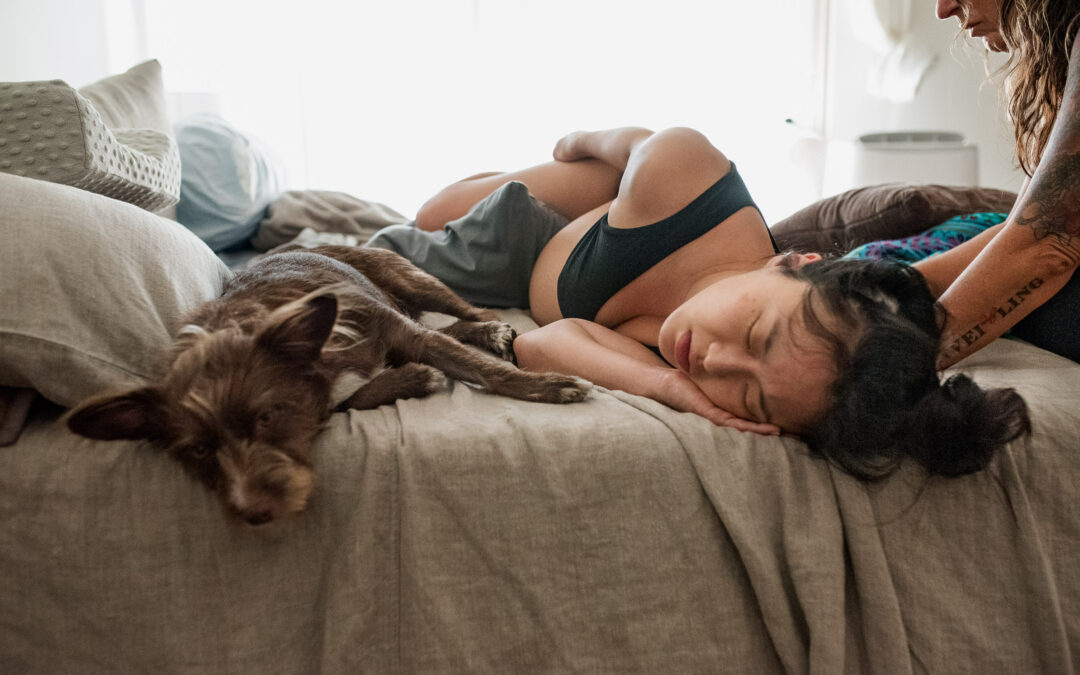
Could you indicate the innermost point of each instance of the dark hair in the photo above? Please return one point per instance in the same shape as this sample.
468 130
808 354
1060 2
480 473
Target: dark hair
888 401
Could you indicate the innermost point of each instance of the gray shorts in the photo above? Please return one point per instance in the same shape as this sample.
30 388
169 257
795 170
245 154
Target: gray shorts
487 256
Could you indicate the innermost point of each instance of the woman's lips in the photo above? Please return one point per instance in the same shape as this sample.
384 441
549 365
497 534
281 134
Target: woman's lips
682 352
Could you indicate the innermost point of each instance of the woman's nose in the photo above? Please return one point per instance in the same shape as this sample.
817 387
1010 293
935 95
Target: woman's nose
947 8
724 359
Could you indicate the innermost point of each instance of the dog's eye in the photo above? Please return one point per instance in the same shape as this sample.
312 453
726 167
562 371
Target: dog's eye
199 451
265 419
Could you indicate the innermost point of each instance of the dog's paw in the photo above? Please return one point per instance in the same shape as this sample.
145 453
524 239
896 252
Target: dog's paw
434 380
556 388
500 340
419 379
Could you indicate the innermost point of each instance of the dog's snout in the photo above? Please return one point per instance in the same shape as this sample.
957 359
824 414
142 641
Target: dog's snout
258 517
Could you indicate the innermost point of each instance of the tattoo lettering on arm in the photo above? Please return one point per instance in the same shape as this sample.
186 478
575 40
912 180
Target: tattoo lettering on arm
976 332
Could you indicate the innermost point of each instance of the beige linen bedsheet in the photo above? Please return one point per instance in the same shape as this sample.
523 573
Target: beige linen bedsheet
472 533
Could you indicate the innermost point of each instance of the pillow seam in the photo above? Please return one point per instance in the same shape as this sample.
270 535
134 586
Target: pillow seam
70 348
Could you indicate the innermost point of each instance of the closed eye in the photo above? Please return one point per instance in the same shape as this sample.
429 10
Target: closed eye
763 414
750 332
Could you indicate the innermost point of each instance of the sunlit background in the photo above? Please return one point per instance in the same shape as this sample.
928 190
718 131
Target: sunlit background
391 100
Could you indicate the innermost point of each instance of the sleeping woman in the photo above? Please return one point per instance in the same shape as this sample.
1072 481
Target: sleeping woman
650 270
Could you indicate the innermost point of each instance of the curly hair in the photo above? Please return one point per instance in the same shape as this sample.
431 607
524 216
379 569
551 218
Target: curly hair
1039 35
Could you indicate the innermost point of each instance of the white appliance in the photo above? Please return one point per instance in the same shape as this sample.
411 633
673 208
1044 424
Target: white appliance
941 157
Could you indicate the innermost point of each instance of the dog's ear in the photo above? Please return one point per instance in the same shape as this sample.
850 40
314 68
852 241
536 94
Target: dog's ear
300 329
132 415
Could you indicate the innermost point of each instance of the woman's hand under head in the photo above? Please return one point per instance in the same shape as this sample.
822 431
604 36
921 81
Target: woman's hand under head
676 390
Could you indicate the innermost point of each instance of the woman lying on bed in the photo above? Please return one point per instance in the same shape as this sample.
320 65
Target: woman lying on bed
666 283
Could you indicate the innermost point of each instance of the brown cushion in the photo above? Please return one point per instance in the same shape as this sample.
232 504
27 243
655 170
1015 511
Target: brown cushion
889 211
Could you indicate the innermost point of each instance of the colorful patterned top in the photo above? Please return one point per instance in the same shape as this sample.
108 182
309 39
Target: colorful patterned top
937 239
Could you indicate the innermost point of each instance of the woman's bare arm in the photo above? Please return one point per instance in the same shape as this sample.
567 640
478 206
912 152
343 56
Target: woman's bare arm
943 269
1036 250
602 356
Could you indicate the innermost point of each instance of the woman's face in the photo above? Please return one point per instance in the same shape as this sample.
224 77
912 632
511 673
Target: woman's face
743 341
979 17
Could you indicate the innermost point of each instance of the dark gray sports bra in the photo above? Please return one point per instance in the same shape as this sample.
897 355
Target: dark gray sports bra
606 258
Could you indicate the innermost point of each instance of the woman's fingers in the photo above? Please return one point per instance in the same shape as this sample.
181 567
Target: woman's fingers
723 418
684 394
752 427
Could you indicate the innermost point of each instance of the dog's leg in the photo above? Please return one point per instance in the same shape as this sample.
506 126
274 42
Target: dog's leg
493 336
410 380
410 287
409 341
416 291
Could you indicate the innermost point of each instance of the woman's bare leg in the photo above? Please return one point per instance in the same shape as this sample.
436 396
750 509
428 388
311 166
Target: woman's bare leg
571 188
586 173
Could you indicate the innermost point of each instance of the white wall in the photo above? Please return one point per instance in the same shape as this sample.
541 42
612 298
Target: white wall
53 39
954 96
80 41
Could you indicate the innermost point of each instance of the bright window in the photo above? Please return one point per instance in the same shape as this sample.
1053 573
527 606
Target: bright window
391 100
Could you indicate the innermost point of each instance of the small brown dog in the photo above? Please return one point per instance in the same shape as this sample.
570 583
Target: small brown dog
255 375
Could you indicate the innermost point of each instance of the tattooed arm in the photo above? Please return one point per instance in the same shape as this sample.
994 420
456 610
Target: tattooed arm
1036 250
942 269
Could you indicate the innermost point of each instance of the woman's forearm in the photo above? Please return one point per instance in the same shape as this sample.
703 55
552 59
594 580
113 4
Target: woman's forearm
943 269
595 353
1005 283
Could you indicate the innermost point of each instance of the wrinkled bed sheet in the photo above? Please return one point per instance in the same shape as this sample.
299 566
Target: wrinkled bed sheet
466 532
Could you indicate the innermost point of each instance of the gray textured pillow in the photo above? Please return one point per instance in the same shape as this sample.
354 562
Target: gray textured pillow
889 211
111 138
92 289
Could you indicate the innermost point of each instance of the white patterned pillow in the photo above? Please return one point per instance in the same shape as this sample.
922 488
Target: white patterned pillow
51 132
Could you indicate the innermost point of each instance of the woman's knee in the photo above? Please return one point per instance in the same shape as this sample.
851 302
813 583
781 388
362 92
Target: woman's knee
430 215
670 169
680 149
455 200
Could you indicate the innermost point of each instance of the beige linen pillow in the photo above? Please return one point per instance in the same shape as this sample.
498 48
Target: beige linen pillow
114 140
91 289
134 99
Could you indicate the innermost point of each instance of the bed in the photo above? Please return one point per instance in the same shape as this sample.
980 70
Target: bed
465 532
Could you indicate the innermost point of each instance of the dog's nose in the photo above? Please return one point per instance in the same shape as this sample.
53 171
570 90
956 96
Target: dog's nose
258 517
